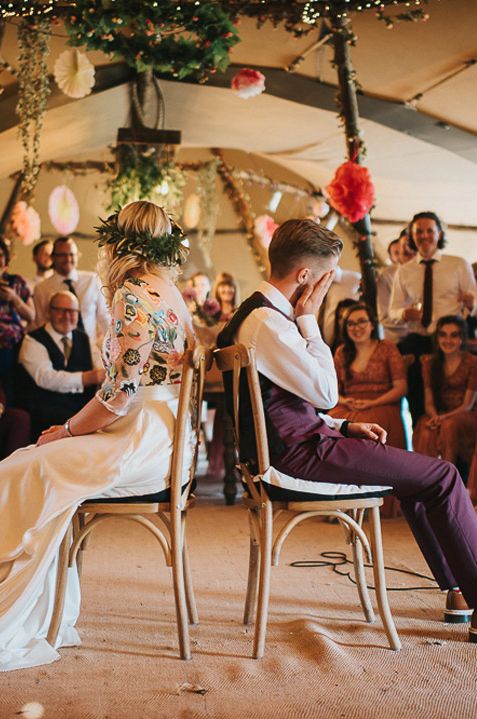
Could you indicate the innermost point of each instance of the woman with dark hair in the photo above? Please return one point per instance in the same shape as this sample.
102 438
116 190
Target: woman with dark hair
449 427
226 292
338 325
16 310
371 375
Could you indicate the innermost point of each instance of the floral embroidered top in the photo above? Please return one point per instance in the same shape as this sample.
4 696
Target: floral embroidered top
12 329
144 345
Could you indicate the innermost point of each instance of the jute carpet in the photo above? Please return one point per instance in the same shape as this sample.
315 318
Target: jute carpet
322 659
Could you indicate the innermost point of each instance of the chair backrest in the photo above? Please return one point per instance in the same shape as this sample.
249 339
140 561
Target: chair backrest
237 359
195 364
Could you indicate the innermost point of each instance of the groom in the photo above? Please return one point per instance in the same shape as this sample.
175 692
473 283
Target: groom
297 375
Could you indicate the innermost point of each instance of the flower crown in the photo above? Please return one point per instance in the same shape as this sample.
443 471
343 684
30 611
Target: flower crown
167 249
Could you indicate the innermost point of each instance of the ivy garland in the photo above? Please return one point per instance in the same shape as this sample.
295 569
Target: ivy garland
33 91
180 39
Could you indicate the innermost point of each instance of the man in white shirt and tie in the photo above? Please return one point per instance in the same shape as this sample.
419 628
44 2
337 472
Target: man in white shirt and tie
428 287
94 316
61 366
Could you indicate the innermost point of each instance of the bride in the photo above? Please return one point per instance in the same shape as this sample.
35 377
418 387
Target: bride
118 445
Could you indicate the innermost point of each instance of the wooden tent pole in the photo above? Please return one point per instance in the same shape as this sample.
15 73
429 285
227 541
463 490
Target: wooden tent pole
350 115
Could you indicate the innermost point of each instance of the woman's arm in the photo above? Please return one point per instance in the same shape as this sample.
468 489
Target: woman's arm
392 396
466 406
25 309
92 417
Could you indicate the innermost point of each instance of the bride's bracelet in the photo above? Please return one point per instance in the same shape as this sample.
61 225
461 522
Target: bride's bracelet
68 428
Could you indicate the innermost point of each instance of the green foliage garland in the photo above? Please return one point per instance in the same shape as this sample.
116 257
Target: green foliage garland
33 91
167 249
181 39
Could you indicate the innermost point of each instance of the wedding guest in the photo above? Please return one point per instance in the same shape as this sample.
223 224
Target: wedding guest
14 427
341 307
41 256
202 285
393 251
430 286
62 366
394 330
449 427
94 317
297 376
345 284
226 292
16 310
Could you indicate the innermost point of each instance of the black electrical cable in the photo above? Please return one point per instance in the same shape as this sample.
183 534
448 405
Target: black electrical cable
343 560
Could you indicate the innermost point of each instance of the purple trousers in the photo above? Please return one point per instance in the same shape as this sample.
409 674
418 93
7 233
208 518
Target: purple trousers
433 498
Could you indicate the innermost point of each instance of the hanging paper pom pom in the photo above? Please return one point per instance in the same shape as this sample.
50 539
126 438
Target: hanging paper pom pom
192 211
74 73
63 210
265 226
248 83
26 223
351 191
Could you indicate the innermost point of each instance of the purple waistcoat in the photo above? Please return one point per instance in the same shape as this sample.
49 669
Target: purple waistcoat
290 419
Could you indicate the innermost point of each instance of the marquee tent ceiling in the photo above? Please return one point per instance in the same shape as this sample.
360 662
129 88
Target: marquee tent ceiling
416 162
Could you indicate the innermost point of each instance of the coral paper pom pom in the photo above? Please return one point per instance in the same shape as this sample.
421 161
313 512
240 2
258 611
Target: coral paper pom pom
351 191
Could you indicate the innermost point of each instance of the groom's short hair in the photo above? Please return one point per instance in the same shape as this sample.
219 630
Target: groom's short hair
296 240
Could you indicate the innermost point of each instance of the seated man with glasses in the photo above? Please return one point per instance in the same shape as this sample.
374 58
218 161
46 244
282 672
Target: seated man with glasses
60 366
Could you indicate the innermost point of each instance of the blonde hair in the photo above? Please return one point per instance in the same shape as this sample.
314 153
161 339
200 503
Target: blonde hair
114 269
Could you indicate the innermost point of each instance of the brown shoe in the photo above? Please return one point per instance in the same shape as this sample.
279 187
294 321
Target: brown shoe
456 611
473 628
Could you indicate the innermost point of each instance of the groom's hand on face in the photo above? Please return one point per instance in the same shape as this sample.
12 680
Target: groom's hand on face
312 296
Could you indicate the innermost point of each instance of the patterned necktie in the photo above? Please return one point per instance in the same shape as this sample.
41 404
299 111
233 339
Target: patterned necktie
67 347
427 294
71 288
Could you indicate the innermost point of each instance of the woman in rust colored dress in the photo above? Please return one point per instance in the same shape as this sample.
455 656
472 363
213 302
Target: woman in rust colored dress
449 427
371 379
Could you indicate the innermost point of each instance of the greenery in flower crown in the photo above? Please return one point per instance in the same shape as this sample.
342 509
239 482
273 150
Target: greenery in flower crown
180 38
167 249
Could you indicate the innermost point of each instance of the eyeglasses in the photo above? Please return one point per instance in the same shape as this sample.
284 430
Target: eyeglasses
65 310
64 254
359 323
451 335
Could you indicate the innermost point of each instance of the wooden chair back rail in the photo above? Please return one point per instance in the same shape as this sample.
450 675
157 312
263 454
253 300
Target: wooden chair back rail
172 514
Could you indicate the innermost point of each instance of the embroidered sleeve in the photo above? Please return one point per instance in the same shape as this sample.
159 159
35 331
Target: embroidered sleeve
127 347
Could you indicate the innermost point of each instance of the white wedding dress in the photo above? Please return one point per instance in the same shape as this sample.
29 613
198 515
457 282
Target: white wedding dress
40 487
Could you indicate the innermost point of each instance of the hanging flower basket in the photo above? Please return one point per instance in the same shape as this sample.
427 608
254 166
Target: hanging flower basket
63 210
351 191
248 83
26 223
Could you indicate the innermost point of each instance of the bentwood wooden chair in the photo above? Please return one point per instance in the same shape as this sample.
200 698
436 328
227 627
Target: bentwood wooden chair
170 507
269 493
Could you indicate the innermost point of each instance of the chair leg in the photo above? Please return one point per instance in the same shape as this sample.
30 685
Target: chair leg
264 583
179 588
60 590
360 576
189 590
380 579
78 524
253 565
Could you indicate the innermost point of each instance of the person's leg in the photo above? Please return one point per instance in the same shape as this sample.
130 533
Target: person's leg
432 494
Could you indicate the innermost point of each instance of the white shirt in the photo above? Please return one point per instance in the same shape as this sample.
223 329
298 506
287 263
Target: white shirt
37 279
345 285
394 330
292 355
451 276
35 359
92 304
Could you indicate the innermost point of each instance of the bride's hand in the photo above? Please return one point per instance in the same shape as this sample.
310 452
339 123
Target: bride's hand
56 431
